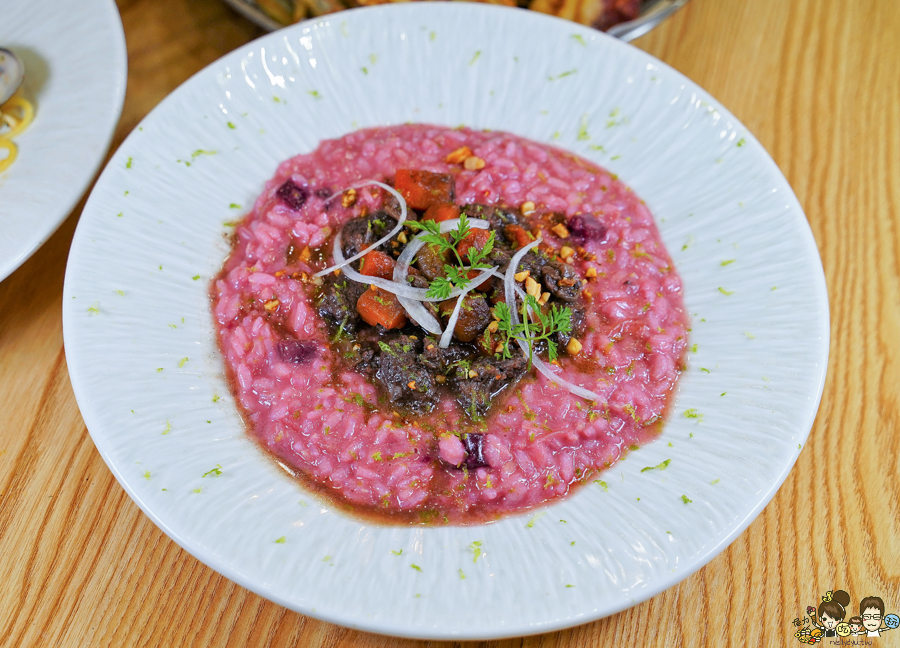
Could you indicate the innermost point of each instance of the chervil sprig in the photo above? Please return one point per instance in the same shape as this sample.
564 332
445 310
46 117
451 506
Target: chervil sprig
457 275
556 320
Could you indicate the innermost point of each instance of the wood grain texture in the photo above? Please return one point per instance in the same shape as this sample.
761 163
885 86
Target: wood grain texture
815 80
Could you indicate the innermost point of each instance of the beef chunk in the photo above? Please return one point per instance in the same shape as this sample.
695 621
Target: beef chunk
474 316
498 217
491 376
292 195
561 280
407 382
439 360
359 233
337 302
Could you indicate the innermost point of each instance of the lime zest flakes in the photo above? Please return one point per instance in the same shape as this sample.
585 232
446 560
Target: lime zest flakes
147 475
376 455
714 482
128 163
326 558
119 215
727 262
364 70
741 142
432 36
662 466
198 490
569 585
578 38
234 206
94 308
281 540
686 499
475 57
722 394
688 243
231 125
397 553
583 134
704 369
749 335
415 566
694 348
216 398
200 152
168 427
158 369
314 94
614 157
535 518
462 575
602 485
597 147
195 277
475 548
182 362
120 292
562 74
725 292
693 414
215 472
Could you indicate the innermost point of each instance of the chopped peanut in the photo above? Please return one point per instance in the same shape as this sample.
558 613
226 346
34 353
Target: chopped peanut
532 287
459 155
280 273
411 384
440 379
544 298
349 198
521 276
272 304
473 374
473 163
305 254
565 251
498 348
560 230
591 273
492 327
570 260
573 347
527 208
402 238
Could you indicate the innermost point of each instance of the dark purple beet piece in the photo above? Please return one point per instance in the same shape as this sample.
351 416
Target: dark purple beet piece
474 445
292 195
586 227
297 351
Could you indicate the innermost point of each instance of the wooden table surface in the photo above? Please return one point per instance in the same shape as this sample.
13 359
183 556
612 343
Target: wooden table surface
817 81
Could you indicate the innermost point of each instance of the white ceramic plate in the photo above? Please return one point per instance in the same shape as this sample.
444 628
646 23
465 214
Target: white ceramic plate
149 380
75 72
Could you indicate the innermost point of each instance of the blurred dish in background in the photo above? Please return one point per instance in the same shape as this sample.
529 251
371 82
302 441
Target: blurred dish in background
600 14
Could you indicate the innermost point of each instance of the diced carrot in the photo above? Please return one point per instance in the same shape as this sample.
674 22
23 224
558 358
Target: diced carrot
518 235
486 287
475 238
441 211
422 189
381 307
377 264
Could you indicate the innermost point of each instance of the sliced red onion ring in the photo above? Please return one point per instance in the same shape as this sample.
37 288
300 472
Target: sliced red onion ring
380 241
415 309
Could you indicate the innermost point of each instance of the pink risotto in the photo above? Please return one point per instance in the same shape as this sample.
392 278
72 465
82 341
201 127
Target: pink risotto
444 325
